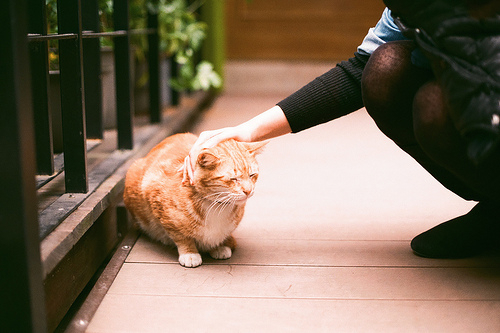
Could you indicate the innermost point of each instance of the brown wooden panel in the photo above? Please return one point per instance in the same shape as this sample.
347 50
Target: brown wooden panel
67 280
295 29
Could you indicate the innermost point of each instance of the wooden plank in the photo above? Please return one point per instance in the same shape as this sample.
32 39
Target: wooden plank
42 180
435 283
52 216
62 207
80 264
83 313
141 313
306 252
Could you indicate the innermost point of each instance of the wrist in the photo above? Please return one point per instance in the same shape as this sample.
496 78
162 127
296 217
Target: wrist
273 123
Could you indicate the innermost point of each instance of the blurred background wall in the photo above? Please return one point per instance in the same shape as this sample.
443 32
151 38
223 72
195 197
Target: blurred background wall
297 29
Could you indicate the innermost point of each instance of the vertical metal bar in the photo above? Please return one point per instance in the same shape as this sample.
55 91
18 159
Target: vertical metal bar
21 295
174 72
40 89
154 68
72 97
124 95
92 70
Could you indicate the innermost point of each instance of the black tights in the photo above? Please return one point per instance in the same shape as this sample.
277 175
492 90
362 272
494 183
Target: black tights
408 106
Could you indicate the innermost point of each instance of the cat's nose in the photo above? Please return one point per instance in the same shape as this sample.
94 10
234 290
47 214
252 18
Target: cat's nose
247 191
246 188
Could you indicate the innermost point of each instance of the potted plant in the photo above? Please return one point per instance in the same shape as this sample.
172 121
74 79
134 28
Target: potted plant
181 37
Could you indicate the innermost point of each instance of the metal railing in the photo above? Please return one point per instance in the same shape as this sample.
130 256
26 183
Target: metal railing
26 146
80 70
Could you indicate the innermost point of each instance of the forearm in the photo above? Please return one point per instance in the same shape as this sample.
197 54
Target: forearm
332 95
267 125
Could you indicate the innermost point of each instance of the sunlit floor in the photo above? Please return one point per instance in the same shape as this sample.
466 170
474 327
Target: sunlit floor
324 244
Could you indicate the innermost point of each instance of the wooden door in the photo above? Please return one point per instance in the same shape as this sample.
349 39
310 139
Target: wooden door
298 29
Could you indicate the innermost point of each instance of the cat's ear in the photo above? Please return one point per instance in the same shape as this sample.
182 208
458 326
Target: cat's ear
255 148
207 160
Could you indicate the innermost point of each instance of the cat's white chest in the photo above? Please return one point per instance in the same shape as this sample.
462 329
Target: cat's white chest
218 225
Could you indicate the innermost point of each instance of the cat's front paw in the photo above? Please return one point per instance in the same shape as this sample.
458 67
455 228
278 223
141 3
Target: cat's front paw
190 259
221 252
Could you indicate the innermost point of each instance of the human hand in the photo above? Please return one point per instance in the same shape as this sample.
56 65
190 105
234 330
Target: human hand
267 125
210 139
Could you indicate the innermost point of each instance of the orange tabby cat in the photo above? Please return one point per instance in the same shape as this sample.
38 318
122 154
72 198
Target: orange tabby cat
199 217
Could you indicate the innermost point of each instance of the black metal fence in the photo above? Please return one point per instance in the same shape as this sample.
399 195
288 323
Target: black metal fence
26 134
80 68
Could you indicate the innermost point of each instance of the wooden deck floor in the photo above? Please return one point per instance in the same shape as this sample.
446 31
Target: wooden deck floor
324 244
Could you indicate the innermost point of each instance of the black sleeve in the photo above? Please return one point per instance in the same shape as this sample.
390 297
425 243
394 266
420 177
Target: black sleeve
329 96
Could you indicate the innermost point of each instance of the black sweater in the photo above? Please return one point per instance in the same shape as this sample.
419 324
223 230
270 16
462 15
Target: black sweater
329 96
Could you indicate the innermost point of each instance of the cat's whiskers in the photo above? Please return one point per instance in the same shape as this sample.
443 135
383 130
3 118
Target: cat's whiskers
218 197
229 201
226 202
216 194
219 202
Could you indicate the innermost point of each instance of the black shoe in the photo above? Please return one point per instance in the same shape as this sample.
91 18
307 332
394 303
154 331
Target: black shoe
465 236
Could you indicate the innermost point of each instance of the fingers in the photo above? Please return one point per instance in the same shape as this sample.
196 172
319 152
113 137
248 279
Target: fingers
201 143
187 172
207 139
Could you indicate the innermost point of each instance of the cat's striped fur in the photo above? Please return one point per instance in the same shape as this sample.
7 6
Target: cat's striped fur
198 217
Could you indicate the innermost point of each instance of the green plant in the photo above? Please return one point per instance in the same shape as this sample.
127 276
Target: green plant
181 36
106 20
51 14
137 14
